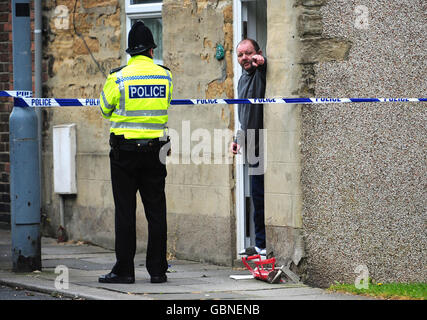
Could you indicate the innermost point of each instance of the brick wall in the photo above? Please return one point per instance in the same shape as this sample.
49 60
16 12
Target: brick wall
6 78
6 104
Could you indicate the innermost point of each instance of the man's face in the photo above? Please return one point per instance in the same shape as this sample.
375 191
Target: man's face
245 52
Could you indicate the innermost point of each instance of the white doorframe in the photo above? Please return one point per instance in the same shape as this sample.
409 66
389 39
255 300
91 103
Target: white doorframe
239 173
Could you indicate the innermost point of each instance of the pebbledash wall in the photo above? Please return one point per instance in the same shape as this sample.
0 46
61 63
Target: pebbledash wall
364 168
345 184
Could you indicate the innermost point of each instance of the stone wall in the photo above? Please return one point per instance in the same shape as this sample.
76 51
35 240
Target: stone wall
199 193
345 184
82 48
82 43
200 202
363 165
283 196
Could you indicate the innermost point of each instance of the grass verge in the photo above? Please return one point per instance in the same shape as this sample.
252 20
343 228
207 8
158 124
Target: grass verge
392 291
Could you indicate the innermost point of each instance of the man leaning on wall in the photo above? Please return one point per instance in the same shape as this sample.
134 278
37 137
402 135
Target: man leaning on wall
250 138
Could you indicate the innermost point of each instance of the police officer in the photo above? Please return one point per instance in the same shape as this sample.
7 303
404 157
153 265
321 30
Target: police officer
135 99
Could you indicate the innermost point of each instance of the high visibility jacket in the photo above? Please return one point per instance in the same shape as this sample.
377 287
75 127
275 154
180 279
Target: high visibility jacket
136 99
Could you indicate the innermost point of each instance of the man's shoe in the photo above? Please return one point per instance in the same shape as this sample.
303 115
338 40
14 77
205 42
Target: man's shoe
159 279
114 278
252 251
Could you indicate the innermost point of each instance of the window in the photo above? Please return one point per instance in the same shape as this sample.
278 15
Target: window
150 12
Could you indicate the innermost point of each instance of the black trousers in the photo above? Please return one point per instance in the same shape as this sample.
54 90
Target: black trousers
257 193
142 171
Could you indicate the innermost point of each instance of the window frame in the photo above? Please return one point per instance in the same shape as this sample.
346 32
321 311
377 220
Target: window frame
141 11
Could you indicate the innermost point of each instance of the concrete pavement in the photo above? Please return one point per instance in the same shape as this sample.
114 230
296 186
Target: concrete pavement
82 264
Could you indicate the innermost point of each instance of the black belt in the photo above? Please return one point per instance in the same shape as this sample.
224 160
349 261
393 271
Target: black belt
119 142
141 142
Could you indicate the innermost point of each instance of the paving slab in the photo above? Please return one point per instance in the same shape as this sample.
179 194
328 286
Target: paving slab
187 280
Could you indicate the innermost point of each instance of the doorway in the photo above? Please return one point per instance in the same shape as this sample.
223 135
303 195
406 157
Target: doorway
250 21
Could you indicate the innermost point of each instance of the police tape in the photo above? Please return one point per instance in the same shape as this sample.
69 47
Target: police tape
52 102
16 94
291 100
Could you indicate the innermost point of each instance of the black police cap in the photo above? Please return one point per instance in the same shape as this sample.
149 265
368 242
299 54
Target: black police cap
140 39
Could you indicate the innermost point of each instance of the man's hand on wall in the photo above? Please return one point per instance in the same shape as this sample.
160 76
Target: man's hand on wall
234 148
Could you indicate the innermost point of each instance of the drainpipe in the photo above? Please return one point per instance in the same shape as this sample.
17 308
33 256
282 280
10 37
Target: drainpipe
38 54
24 158
38 48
